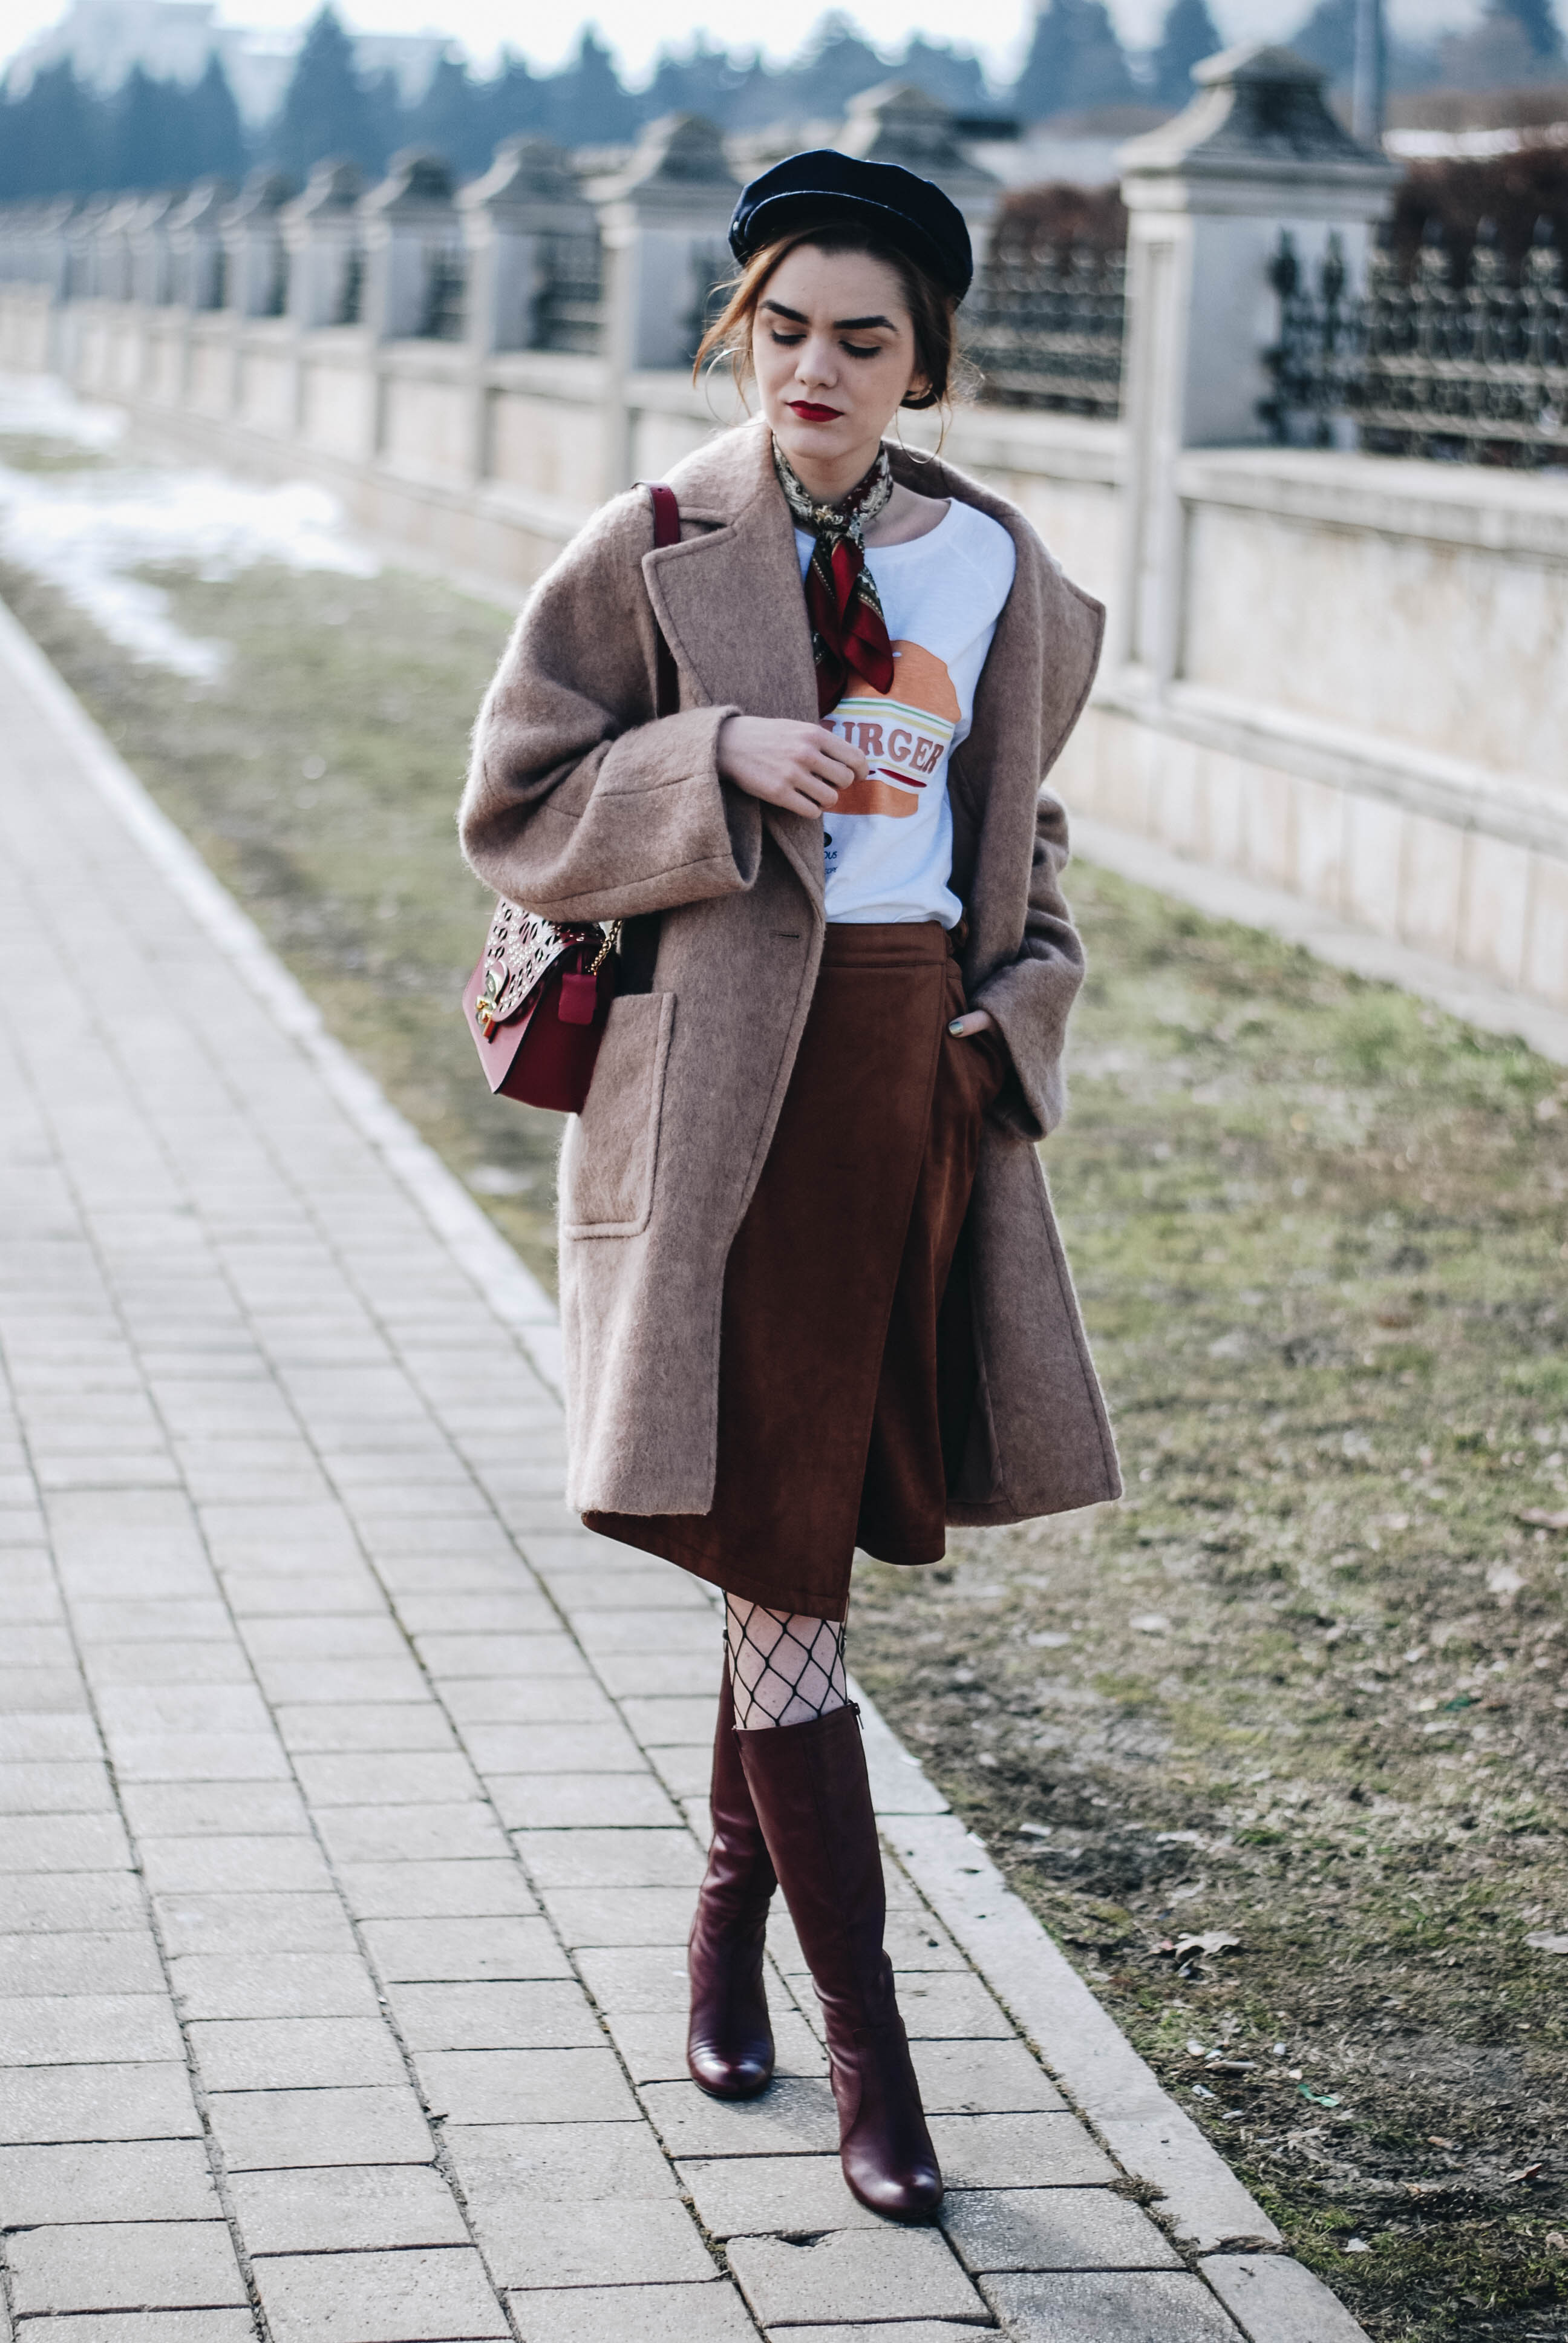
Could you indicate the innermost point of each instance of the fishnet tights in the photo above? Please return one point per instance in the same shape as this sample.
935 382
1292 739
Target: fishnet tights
785 1667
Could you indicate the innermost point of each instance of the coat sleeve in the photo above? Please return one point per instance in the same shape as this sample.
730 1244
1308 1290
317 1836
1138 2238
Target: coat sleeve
1032 996
580 804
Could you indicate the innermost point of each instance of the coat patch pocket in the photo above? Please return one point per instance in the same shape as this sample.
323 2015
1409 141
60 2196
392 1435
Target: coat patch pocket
611 1151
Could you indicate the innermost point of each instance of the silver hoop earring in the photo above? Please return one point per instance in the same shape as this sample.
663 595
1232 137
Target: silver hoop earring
737 391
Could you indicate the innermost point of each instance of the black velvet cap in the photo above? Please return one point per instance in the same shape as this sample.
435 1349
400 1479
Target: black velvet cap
910 214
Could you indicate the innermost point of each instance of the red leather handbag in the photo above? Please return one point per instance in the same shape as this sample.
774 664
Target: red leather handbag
538 1000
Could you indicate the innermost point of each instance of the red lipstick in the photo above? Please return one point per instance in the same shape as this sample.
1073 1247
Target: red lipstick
807 413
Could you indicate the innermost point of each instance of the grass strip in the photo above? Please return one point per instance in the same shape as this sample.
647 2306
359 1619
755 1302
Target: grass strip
1276 1746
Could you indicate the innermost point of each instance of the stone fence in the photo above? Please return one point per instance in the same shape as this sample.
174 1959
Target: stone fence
1341 674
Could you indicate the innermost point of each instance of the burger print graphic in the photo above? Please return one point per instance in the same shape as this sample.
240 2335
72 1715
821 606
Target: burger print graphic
888 839
904 733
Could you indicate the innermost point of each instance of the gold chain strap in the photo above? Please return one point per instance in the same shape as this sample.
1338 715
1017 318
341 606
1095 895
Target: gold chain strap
611 943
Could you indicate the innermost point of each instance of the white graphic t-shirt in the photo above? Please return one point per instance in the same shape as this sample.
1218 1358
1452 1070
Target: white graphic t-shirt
889 838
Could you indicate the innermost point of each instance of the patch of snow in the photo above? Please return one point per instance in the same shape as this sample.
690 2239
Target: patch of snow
40 406
88 532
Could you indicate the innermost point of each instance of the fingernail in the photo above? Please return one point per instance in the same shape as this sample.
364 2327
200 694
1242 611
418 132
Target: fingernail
957 1026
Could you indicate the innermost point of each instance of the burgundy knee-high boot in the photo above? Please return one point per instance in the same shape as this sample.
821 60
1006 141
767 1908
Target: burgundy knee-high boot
730 2045
810 1789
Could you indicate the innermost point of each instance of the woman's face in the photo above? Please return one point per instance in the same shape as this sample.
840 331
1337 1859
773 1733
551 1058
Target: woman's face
833 351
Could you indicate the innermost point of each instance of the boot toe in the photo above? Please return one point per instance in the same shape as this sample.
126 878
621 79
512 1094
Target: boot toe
728 2075
912 2196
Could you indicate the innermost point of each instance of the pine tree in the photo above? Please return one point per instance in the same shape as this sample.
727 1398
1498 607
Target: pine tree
836 65
954 77
58 139
588 104
452 118
1188 36
216 141
1327 39
386 119
513 102
141 145
758 97
325 109
55 139
1537 20
1075 62
702 80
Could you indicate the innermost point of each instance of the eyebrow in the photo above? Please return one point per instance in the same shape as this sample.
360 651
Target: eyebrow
841 325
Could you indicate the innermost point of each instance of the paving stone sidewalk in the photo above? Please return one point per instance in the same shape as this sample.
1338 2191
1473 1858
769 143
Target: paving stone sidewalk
351 1794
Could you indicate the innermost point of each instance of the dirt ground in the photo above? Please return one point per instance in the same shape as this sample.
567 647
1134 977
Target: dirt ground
1277 1746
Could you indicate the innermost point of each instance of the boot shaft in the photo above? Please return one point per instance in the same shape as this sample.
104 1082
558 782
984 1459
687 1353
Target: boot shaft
740 1877
812 1797
810 1792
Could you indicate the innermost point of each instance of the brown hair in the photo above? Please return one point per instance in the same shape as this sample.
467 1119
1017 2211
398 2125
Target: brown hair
931 310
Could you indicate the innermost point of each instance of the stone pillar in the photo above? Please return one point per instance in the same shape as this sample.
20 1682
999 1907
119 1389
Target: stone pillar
897 123
152 261
196 260
527 206
20 244
113 270
48 242
412 240
257 264
322 233
664 221
1256 152
83 275
527 225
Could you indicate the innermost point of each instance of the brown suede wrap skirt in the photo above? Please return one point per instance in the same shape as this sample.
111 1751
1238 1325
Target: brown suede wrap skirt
839 1408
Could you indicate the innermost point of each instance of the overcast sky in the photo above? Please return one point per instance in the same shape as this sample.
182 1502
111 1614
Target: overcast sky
636 29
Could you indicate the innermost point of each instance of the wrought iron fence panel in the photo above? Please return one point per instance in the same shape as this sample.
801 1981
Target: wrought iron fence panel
1046 329
1473 370
351 294
276 301
446 296
568 313
711 276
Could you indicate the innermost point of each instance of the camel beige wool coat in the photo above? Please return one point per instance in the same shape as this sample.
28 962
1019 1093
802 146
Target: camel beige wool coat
582 806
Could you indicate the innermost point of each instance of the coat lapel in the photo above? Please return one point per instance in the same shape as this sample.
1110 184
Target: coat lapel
731 609
730 600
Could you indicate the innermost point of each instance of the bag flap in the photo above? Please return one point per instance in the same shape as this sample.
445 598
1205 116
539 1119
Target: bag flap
519 951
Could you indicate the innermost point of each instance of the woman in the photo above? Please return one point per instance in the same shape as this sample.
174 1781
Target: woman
812 1292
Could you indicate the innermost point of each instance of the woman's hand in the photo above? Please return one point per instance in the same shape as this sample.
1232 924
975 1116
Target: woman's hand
800 768
972 1022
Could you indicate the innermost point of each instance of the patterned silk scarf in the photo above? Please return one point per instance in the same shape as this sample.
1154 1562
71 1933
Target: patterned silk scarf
848 628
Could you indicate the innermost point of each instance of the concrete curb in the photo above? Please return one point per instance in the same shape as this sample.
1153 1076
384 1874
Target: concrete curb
1274 2299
